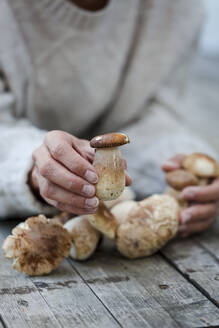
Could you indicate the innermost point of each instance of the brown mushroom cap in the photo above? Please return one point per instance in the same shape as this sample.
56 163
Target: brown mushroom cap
150 224
38 246
201 165
109 140
179 179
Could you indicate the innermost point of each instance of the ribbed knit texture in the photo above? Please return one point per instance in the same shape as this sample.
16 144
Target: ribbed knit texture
121 68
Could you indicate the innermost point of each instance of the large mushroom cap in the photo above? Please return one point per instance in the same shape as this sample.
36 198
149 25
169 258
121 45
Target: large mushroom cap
109 140
149 225
201 165
38 246
85 238
179 179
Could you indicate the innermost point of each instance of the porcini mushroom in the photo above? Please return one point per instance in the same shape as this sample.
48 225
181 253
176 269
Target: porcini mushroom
201 165
104 221
37 246
179 179
109 165
85 238
149 225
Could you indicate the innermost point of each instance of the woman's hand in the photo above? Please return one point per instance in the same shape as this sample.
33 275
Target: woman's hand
63 173
201 214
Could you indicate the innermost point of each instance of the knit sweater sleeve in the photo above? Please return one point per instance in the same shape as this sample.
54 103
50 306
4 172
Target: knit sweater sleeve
18 139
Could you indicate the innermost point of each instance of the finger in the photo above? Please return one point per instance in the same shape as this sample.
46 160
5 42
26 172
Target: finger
75 210
173 163
198 212
54 192
68 154
59 175
207 193
128 179
197 227
70 209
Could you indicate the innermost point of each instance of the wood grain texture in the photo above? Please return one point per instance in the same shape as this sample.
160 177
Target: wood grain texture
197 259
61 299
146 292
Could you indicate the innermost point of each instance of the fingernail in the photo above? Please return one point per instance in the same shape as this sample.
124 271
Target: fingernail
171 164
92 202
185 217
91 176
88 190
182 227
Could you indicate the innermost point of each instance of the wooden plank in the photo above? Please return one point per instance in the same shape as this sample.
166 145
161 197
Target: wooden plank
21 303
210 240
146 292
197 259
61 299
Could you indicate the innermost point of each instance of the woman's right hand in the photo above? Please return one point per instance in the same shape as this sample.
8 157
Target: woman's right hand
63 173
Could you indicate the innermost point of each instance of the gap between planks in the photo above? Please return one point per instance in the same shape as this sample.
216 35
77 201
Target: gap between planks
84 280
192 281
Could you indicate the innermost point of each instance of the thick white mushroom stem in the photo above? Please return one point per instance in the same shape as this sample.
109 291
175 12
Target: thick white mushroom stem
108 163
104 221
85 238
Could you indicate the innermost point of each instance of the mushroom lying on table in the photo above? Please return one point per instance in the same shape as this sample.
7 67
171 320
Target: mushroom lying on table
104 221
109 165
85 238
37 246
145 226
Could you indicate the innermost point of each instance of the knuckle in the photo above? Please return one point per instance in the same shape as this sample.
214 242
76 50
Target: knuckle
46 169
47 189
58 151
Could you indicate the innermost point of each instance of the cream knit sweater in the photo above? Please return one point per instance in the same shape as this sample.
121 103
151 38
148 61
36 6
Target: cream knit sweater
121 68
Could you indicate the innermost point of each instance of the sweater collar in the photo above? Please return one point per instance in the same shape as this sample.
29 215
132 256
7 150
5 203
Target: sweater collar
68 13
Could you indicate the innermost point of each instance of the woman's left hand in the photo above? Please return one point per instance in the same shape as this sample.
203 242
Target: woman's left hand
205 202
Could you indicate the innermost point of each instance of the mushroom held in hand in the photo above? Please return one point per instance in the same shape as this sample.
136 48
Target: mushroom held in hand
127 194
179 179
201 165
85 238
37 245
108 163
104 221
149 225
198 170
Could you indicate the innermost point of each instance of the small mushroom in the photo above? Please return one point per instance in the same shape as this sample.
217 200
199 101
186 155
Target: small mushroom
108 163
201 165
149 225
37 245
104 221
179 179
127 194
85 238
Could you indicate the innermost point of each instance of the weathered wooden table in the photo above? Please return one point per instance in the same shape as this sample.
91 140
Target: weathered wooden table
178 287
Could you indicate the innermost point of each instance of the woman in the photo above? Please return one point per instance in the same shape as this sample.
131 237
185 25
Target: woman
74 69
